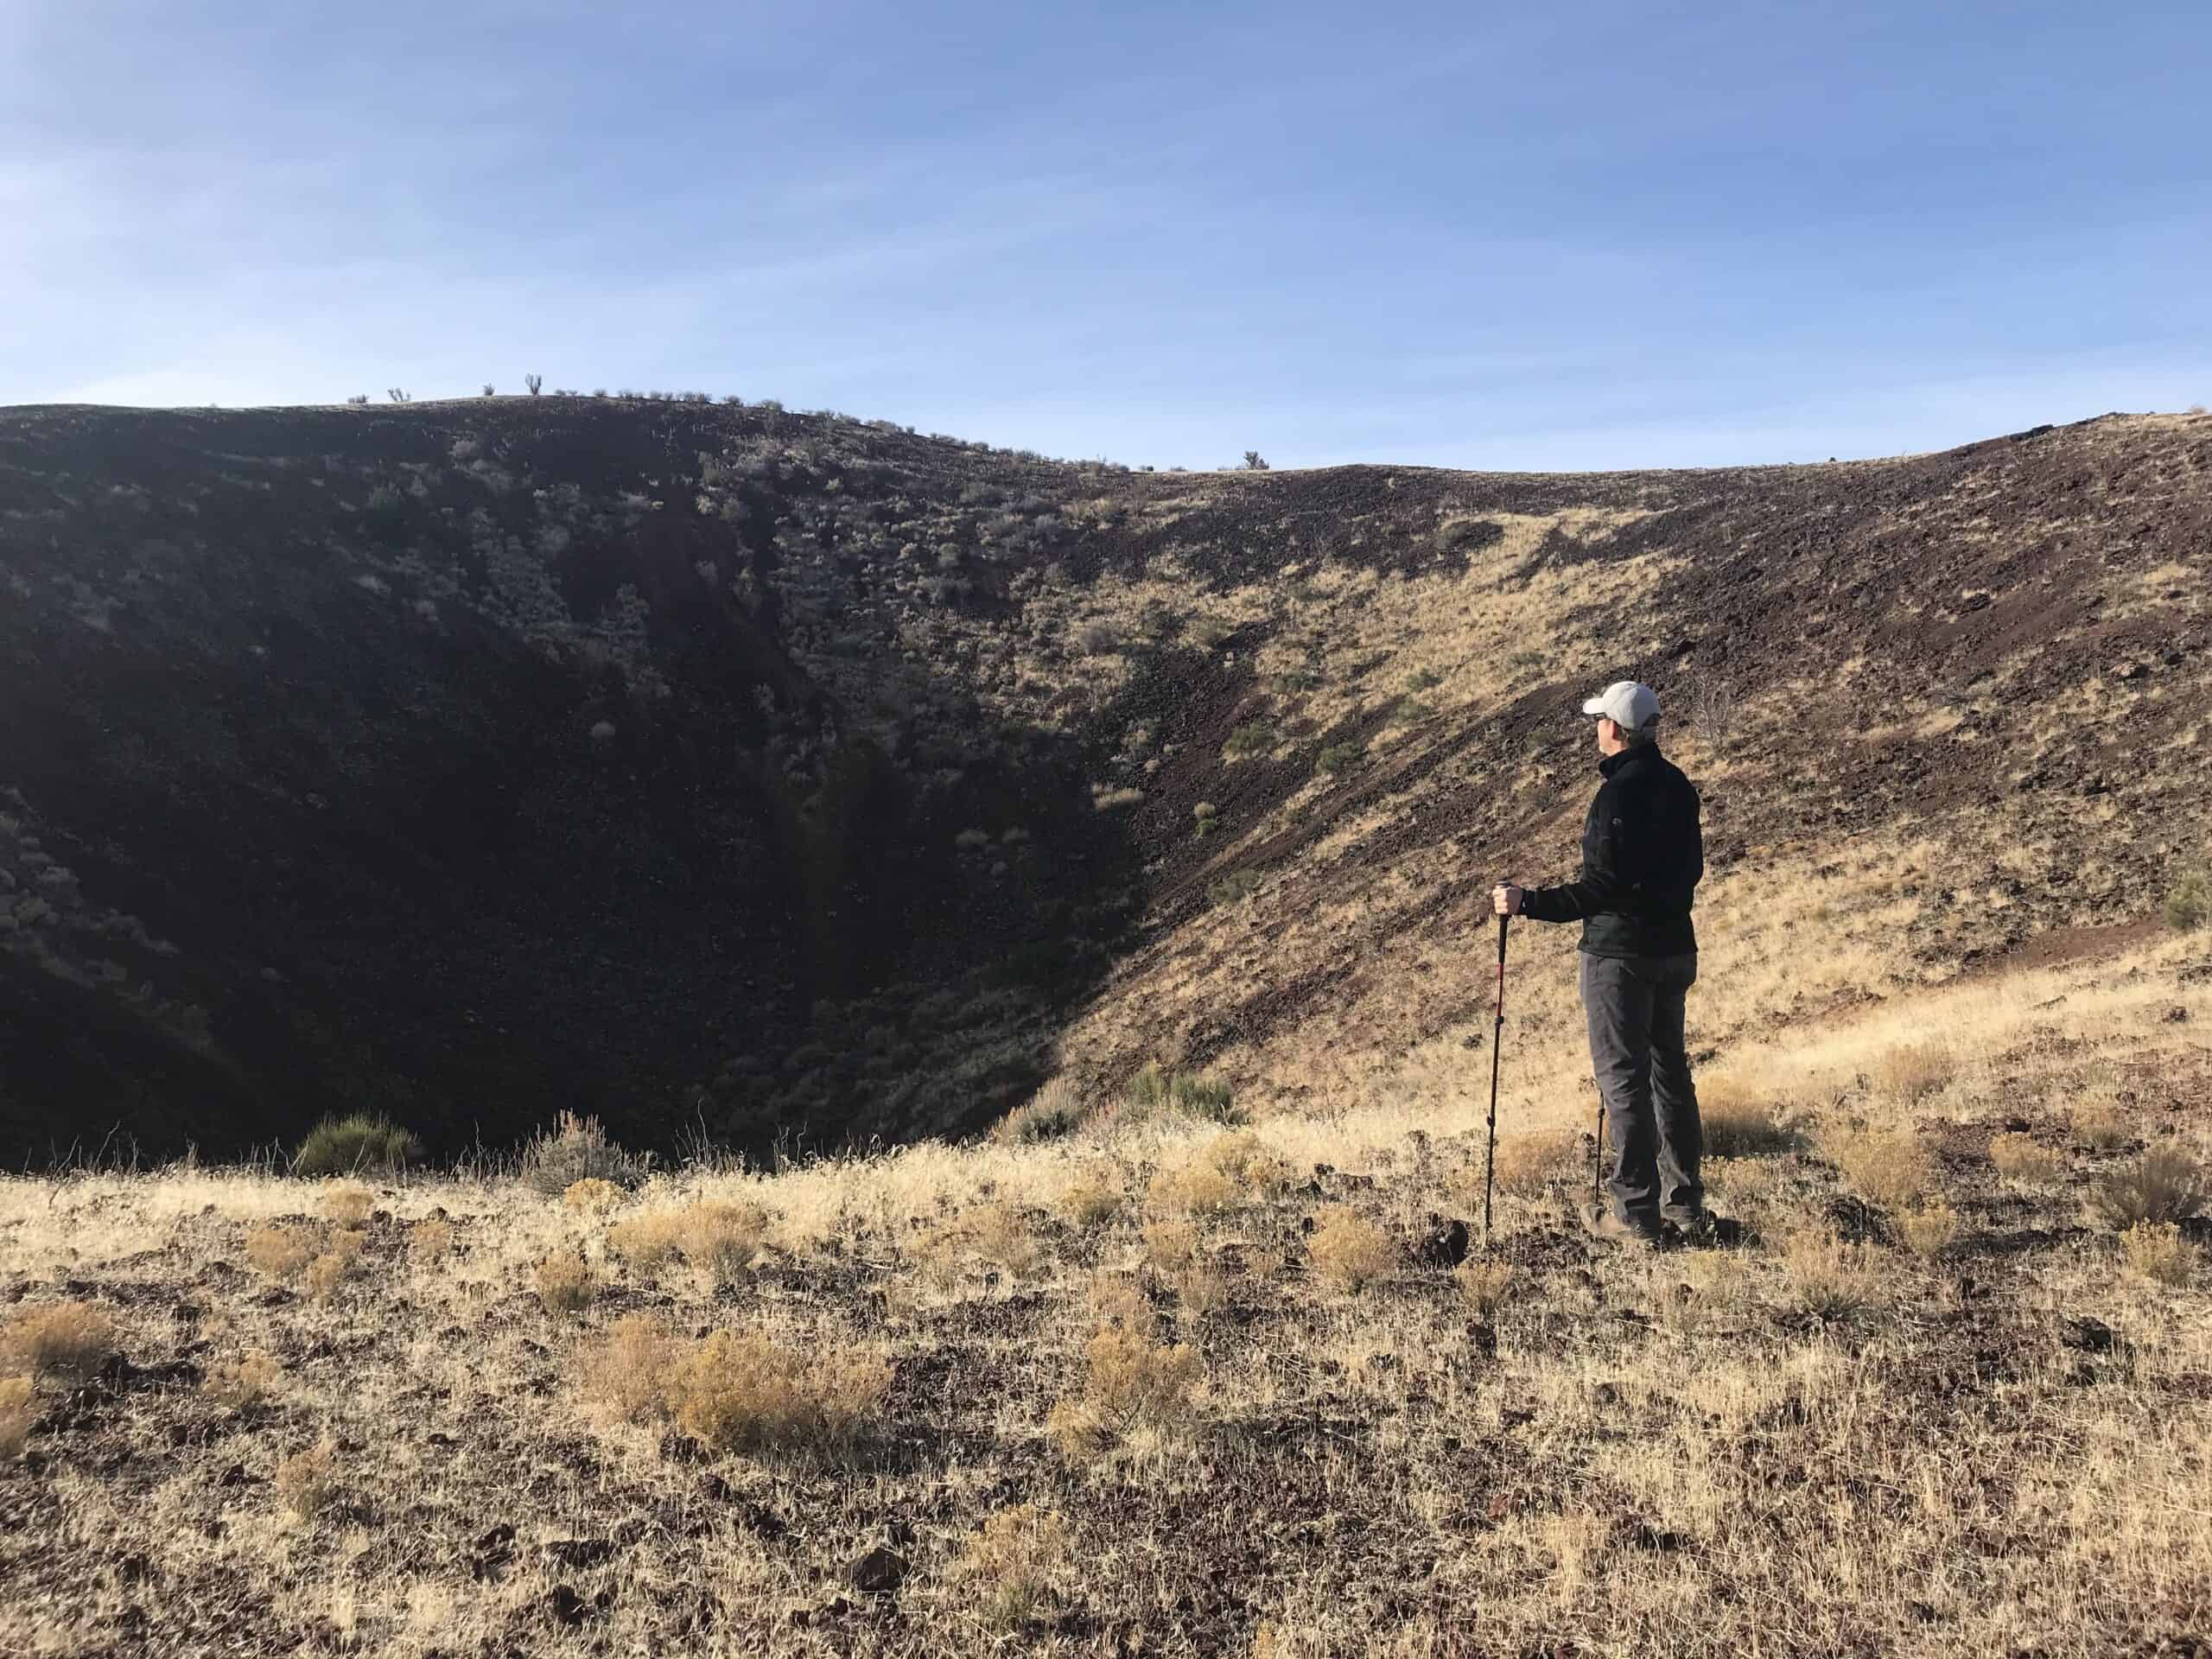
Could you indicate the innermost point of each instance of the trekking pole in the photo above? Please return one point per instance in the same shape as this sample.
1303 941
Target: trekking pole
1496 1043
1598 1155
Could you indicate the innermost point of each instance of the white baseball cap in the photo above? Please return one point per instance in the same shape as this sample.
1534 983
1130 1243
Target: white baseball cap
1627 703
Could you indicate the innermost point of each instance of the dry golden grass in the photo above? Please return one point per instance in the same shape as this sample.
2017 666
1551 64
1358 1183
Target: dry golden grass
1195 1188
1890 1168
591 1196
1929 1232
738 1391
2021 1157
1017 1565
1130 1382
2156 1250
307 1482
1740 1122
69 1340
244 1383
280 1252
18 1413
347 1203
991 1236
648 1243
1832 1279
564 1282
1483 1285
1210 1427
1912 1071
430 1240
1527 1165
2164 1184
2103 1126
629 1368
723 1241
1094 1196
1350 1251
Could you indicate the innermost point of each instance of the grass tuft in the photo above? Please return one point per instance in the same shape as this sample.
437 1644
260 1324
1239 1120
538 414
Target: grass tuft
2020 1158
280 1252
18 1414
2156 1250
565 1282
2164 1184
1017 1565
68 1340
1350 1251
355 1145
740 1392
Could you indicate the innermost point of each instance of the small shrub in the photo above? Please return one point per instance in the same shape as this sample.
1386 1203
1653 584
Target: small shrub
723 1241
1483 1285
591 1196
18 1412
1114 799
307 1484
360 399
1017 1565
347 1203
69 1340
565 1283
1098 639
1155 1090
1829 1279
1054 1110
1130 1381
355 1145
577 1149
1423 679
430 1239
243 1384
1912 1071
629 1368
2020 1158
330 1270
1253 463
1929 1230
649 1242
2188 904
1526 1164
1094 1196
1254 737
1891 1169
2156 1250
1195 1188
1738 1122
1244 1158
996 1234
1338 757
737 1392
2164 1184
280 1252
1351 1251
1237 884
1170 1246
2103 1127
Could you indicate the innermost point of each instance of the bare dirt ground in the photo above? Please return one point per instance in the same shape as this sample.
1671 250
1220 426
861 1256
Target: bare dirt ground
1928 1406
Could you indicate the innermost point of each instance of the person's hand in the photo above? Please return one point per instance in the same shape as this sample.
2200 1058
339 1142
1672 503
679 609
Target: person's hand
1505 898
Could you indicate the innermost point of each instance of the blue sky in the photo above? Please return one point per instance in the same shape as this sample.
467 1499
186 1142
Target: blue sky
1592 233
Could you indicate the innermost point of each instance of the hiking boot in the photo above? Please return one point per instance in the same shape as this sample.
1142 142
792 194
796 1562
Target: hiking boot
1704 1230
1603 1223
1699 1226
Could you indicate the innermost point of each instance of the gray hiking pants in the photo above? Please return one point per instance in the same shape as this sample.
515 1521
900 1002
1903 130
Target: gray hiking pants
1634 1008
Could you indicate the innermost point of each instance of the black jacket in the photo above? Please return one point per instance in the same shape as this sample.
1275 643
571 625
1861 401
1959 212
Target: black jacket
1642 854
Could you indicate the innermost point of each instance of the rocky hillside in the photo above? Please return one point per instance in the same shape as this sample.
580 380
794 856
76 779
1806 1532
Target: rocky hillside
738 774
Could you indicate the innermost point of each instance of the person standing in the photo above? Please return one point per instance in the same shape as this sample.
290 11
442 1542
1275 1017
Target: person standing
1643 855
